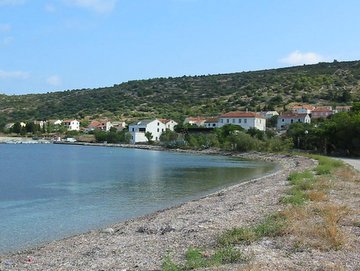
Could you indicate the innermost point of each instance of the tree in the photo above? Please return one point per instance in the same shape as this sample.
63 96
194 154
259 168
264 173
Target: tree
149 137
16 128
168 136
355 107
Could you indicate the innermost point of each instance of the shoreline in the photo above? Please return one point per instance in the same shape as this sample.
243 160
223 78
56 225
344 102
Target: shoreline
142 242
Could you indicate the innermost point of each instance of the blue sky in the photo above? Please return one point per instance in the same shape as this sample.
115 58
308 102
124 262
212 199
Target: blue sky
51 45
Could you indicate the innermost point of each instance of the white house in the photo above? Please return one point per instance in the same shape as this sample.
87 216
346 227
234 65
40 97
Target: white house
285 120
170 124
138 129
244 119
212 122
72 125
302 109
321 112
99 125
199 121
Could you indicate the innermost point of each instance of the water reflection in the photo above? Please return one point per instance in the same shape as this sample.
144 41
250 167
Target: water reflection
69 189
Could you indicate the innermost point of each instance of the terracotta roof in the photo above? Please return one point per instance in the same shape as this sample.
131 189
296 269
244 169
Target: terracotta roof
196 119
240 114
320 109
306 106
68 120
211 120
293 116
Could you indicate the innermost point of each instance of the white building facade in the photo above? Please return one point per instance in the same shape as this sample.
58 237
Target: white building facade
285 120
302 109
244 119
138 129
72 125
212 123
170 124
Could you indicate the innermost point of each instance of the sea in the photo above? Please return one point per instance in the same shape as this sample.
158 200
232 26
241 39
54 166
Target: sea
52 191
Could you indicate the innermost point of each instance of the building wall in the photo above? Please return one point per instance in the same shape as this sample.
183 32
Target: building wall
284 122
171 125
316 115
301 111
245 123
74 125
211 125
156 128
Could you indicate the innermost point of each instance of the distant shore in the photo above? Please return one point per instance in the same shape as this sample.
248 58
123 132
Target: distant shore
142 243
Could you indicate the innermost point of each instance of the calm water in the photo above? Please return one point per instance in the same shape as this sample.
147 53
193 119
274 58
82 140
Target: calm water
51 191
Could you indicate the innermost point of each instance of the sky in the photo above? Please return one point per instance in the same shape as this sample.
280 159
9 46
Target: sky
57 45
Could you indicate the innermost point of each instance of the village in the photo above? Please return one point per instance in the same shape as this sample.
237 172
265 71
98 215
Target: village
146 130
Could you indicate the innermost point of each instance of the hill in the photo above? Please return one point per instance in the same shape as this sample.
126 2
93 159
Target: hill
323 83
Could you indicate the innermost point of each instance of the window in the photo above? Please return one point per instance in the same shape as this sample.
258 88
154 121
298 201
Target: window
141 129
162 130
245 120
133 129
158 129
282 120
222 120
227 121
233 120
158 123
239 120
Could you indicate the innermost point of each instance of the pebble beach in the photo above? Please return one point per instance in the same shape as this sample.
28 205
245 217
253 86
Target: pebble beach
142 243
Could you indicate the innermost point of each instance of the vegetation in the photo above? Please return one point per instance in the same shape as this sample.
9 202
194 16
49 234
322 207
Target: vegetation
338 134
270 227
308 217
196 258
327 83
113 136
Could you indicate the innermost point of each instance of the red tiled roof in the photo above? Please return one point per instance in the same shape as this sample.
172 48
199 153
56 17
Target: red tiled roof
240 114
212 120
96 123
319 109
306 106
164 120
68 120
292 116
195 118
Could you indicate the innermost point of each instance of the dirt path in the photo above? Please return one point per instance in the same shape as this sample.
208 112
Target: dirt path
353 162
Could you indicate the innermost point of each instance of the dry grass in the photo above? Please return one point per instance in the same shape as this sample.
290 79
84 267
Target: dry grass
316 225
347 174
317 196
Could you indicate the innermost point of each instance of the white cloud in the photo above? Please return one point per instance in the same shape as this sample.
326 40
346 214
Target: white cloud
100 6
5 28
299 58
11 2
14 75
54 80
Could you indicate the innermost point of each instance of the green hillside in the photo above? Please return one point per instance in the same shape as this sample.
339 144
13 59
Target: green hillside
324 83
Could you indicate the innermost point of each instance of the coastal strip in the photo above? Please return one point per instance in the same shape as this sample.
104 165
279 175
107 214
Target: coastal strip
142 243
